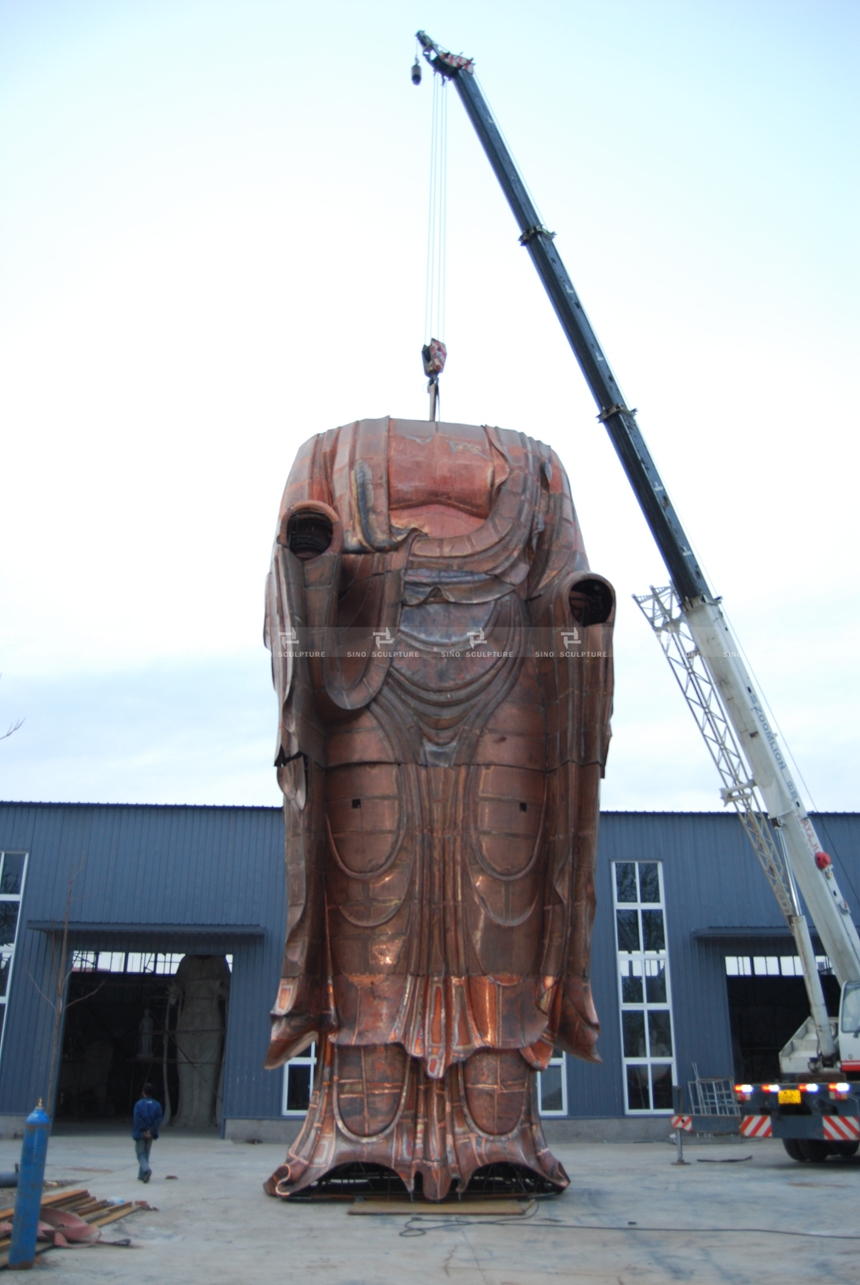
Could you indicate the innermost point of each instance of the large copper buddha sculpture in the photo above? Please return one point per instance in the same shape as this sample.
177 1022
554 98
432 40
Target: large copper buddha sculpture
441 653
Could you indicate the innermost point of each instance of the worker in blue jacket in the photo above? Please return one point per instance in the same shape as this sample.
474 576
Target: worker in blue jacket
147 1117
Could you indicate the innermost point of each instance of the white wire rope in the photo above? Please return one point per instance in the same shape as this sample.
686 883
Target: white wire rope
437 216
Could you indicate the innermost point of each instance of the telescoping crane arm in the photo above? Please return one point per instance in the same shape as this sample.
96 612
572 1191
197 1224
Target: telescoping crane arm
620 422
695 634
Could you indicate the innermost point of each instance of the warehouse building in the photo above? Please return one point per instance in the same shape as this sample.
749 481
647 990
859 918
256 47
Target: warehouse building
144 943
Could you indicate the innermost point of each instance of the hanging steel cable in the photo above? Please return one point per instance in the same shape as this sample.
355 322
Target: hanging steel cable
434 352
434 303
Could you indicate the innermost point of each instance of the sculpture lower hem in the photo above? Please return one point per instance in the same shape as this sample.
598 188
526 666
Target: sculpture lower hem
531 1014
378 1106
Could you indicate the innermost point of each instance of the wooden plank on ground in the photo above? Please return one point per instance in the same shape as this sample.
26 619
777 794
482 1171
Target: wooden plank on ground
56 1198
78 1202
118 1211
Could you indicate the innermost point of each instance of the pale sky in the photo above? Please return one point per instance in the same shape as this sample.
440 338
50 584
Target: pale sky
213 223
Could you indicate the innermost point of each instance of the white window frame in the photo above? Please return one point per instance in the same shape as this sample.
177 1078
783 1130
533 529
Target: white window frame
142 963
8 952
770 965
308 1058
559 1060
641 960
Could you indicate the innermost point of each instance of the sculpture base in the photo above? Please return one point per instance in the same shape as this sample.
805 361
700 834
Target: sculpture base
376 1106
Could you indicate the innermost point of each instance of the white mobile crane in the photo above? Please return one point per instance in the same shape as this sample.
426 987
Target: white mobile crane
817 1111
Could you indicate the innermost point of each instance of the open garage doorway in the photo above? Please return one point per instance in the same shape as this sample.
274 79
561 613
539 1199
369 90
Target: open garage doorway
134 1018
767 1004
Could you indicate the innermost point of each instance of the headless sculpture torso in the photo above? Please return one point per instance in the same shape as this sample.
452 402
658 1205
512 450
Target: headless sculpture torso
444 809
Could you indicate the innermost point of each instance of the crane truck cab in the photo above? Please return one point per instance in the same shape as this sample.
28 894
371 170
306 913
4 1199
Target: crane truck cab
801 1055
849 1029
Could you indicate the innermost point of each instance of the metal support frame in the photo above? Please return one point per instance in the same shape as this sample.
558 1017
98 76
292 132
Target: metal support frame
662 609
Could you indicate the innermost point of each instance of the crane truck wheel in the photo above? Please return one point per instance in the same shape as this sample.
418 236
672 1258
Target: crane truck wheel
814 1150
845 1149
792 1146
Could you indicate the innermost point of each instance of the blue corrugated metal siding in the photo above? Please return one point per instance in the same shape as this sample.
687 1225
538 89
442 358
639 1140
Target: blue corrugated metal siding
224 866
711 880
148 865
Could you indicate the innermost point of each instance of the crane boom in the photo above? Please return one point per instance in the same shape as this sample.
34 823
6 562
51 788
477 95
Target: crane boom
767 786
619 420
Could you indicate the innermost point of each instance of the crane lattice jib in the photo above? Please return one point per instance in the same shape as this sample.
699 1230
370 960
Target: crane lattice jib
661 609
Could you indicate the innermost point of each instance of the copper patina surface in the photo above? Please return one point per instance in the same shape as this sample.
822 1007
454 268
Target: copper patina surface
441 654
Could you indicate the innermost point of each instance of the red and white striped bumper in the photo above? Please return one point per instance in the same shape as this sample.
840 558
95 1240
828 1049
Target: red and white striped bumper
756 1126
841 1128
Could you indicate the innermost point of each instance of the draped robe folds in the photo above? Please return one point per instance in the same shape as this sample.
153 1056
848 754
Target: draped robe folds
443 669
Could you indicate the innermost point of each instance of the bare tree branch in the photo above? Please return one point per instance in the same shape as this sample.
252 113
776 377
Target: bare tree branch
47 1000
13 727
70 1003
62 968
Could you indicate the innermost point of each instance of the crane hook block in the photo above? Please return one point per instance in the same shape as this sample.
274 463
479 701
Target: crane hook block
416 72
433 356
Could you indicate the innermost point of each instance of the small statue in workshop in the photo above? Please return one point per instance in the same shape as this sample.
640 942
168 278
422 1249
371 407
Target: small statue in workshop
440 772
201 991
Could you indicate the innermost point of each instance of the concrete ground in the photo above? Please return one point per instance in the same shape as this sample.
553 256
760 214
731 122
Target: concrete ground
630 1217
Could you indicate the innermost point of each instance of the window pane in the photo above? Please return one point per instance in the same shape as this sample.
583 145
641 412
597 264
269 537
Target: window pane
633 1030
8 922
550 1089
851 1009
649 882
661 1082
646 1017
628 929
625 880
652 930
298 1088
631 986
637 1089
5 961
660 1032
13 872
655 981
